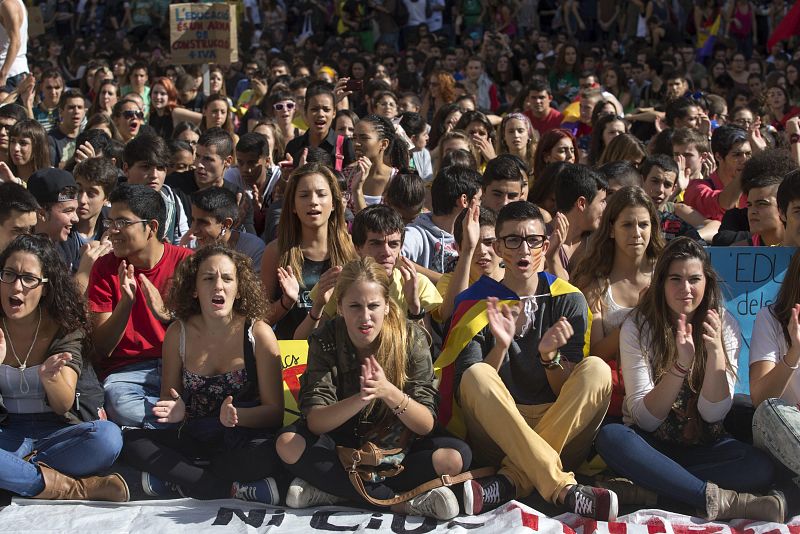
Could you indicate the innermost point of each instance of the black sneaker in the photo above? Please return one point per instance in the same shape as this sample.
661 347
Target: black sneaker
595 503
486 494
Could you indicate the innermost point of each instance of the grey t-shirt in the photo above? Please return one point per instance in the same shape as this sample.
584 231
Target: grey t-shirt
521 371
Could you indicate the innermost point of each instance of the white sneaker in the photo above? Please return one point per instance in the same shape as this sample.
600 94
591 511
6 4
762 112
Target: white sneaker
301 494
438 503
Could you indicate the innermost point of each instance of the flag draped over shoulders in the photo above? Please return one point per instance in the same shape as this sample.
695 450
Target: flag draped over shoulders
469 318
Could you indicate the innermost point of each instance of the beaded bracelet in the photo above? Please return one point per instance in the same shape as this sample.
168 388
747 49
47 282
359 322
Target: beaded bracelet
404 403
681 369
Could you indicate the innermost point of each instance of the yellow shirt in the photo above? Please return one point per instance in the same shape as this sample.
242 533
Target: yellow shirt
429 298
441 287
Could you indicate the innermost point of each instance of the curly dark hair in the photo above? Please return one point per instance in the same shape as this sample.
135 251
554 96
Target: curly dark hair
249 302
61 300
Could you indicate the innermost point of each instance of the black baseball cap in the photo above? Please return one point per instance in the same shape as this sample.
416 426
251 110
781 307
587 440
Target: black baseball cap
52 185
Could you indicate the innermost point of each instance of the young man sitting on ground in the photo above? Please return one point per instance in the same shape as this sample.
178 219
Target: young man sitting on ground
126 292
531 399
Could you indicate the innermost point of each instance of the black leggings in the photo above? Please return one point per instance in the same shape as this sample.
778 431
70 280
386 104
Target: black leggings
173 457
319 465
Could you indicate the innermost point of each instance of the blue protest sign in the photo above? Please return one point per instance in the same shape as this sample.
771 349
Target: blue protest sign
751 278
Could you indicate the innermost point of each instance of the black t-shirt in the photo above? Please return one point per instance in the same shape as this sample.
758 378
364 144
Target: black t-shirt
184 181
58 141
296 146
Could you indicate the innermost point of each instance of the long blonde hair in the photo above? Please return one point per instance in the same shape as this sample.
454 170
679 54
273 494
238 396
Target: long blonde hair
290 237
393 337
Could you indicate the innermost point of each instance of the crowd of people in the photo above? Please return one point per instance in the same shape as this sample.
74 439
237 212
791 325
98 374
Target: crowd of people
489 220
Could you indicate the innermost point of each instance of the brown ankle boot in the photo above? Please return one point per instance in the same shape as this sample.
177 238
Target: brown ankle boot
727 504
62 487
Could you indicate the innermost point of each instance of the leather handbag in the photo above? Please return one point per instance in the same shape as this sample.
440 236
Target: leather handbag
371 463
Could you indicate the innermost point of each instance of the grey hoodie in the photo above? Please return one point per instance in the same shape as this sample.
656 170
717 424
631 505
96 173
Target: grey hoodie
428 245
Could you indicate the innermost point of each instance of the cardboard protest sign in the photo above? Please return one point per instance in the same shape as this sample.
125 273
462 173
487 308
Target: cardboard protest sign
751 278
203 33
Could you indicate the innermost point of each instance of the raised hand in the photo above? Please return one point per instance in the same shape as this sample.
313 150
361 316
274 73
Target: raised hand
227 413
374 384
326 285
154 300
502 321
684 342
683 179
364 165
7 175
712 332
95 249
556 336
485 147
410 284
471 228
708 166
170 411
127 281
289 284
757 141
560 230
793 328
84 152
52 366
187 239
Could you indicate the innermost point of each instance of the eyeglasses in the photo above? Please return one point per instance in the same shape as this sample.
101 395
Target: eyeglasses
513 242
280 105
7 276
130 114
121 224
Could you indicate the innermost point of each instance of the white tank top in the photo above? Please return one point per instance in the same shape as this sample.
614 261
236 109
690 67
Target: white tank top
20 64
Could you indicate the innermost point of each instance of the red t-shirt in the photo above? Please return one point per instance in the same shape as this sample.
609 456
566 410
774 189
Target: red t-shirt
703 196
550 122
144 333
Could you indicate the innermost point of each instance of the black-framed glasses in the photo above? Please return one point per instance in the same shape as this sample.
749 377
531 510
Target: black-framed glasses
121 224
513 242
131 114
29 281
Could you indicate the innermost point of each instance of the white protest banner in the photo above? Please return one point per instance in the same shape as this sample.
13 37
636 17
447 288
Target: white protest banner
190 516
203 33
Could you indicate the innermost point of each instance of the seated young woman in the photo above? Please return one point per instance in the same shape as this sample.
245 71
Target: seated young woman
45 451
369 378
678 352
221 380
615 271
774 380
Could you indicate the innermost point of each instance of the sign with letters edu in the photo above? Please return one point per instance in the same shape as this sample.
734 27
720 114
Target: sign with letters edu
203 33
750 280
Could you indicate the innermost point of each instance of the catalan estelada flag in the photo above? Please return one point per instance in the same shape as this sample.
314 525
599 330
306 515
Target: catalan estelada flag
469 318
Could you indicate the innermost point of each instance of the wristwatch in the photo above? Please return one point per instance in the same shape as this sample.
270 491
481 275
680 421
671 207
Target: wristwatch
555 363
416 316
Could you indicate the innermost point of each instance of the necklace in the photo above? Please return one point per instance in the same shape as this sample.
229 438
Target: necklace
24 387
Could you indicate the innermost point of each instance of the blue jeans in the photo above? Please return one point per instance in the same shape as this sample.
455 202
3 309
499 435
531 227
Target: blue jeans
75 450
131 393
680 472
776 429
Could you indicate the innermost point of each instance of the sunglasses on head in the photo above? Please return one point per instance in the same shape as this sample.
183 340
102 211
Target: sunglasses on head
131 114
280 105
